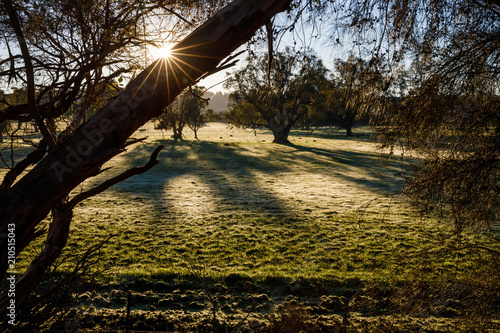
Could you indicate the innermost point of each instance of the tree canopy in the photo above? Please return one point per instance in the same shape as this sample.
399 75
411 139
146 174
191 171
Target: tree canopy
449 112
275 96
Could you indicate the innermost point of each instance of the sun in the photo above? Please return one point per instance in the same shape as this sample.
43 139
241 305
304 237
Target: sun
162 52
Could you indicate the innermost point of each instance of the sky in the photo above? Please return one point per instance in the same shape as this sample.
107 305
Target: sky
305 37
321 44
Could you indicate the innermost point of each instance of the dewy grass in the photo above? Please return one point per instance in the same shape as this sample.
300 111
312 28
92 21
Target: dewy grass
313 230
323 206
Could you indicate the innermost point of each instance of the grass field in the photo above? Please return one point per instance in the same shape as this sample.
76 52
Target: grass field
255 222
240 204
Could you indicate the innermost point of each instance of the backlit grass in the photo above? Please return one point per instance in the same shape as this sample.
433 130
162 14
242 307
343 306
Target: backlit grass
325 206
317 224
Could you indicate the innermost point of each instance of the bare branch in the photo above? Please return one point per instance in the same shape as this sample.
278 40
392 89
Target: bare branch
31 159
30 76
115 180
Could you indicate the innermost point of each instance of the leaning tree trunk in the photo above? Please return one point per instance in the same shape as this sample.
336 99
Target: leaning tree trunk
81 155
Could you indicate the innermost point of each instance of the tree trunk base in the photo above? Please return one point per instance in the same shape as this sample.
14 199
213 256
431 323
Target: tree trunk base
177 136
281 141
281 135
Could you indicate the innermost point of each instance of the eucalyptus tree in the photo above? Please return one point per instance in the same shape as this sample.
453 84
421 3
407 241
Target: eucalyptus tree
187 109
339 102
275 96
197 113
67 64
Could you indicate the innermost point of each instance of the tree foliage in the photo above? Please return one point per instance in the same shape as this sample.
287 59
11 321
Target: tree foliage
275 96
189 109
449 111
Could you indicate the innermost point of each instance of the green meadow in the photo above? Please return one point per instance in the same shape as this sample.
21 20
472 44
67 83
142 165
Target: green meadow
250 232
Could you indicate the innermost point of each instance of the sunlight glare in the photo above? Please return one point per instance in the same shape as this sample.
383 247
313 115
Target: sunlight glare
162 52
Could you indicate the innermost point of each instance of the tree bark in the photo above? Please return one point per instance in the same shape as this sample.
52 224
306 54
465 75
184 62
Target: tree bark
348 130
104 136
56 241
281 134
281 127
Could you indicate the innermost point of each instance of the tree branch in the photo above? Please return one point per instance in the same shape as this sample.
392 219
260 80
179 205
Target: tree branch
30 76
32 158
115 180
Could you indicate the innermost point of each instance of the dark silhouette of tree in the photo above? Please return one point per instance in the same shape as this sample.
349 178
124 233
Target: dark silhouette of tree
63 160
447 107
187 109
338 101
347 86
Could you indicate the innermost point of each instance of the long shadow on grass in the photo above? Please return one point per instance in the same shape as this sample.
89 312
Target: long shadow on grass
224 170
231 173
371 170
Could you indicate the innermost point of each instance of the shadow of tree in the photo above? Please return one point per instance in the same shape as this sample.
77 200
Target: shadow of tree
244 177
